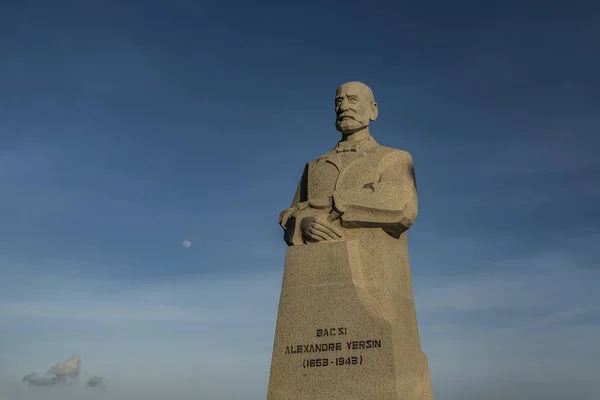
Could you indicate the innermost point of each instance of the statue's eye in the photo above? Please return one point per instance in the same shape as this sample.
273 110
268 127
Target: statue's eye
353 99
338 102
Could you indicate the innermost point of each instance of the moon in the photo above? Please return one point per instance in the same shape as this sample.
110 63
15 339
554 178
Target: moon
187 244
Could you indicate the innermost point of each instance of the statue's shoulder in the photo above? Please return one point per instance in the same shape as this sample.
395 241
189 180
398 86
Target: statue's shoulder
323 157
377 150
394 154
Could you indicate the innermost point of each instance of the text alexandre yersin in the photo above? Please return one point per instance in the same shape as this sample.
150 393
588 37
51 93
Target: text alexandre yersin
333 346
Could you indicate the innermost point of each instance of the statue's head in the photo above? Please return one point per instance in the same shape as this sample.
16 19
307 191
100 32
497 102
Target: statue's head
355 107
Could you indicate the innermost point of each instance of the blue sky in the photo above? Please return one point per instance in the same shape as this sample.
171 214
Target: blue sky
129 126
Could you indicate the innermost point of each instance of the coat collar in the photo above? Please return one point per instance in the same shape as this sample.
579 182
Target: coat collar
333 156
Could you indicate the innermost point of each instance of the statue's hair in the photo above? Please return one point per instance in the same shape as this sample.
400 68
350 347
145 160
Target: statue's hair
364 88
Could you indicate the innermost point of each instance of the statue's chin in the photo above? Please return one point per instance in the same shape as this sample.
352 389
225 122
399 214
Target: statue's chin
349 128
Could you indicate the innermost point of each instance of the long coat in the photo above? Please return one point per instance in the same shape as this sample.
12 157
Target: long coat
375 193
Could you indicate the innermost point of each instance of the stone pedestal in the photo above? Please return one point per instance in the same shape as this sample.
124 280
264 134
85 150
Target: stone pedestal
333 342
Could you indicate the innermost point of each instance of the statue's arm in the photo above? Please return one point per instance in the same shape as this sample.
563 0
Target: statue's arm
391 203
287 218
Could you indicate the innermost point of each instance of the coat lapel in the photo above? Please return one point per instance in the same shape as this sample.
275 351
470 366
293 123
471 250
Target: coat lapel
362 154
332 158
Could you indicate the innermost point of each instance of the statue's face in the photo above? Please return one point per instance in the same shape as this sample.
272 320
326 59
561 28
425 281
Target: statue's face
354 108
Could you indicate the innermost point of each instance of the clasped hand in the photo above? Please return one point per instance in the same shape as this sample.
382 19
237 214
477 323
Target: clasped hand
318 228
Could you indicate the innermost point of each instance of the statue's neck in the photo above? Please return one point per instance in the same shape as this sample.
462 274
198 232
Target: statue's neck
357 136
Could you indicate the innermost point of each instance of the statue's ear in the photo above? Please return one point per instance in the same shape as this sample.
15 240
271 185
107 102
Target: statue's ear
374 111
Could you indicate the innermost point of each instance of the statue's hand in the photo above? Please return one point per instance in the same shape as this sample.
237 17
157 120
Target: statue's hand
317 228
285 216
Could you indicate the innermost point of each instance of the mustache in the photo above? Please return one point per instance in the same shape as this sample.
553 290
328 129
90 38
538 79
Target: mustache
343 116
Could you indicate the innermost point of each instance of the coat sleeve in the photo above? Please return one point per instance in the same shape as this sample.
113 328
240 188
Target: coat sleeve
287 218
389 203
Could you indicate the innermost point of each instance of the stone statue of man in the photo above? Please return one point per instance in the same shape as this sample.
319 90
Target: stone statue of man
347 263
356 189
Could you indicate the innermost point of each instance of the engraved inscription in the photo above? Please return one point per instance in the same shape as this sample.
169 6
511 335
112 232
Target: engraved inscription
313 348
341 346
338 362
364 344
332 332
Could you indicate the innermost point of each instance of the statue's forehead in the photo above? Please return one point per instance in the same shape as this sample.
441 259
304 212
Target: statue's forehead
350 89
